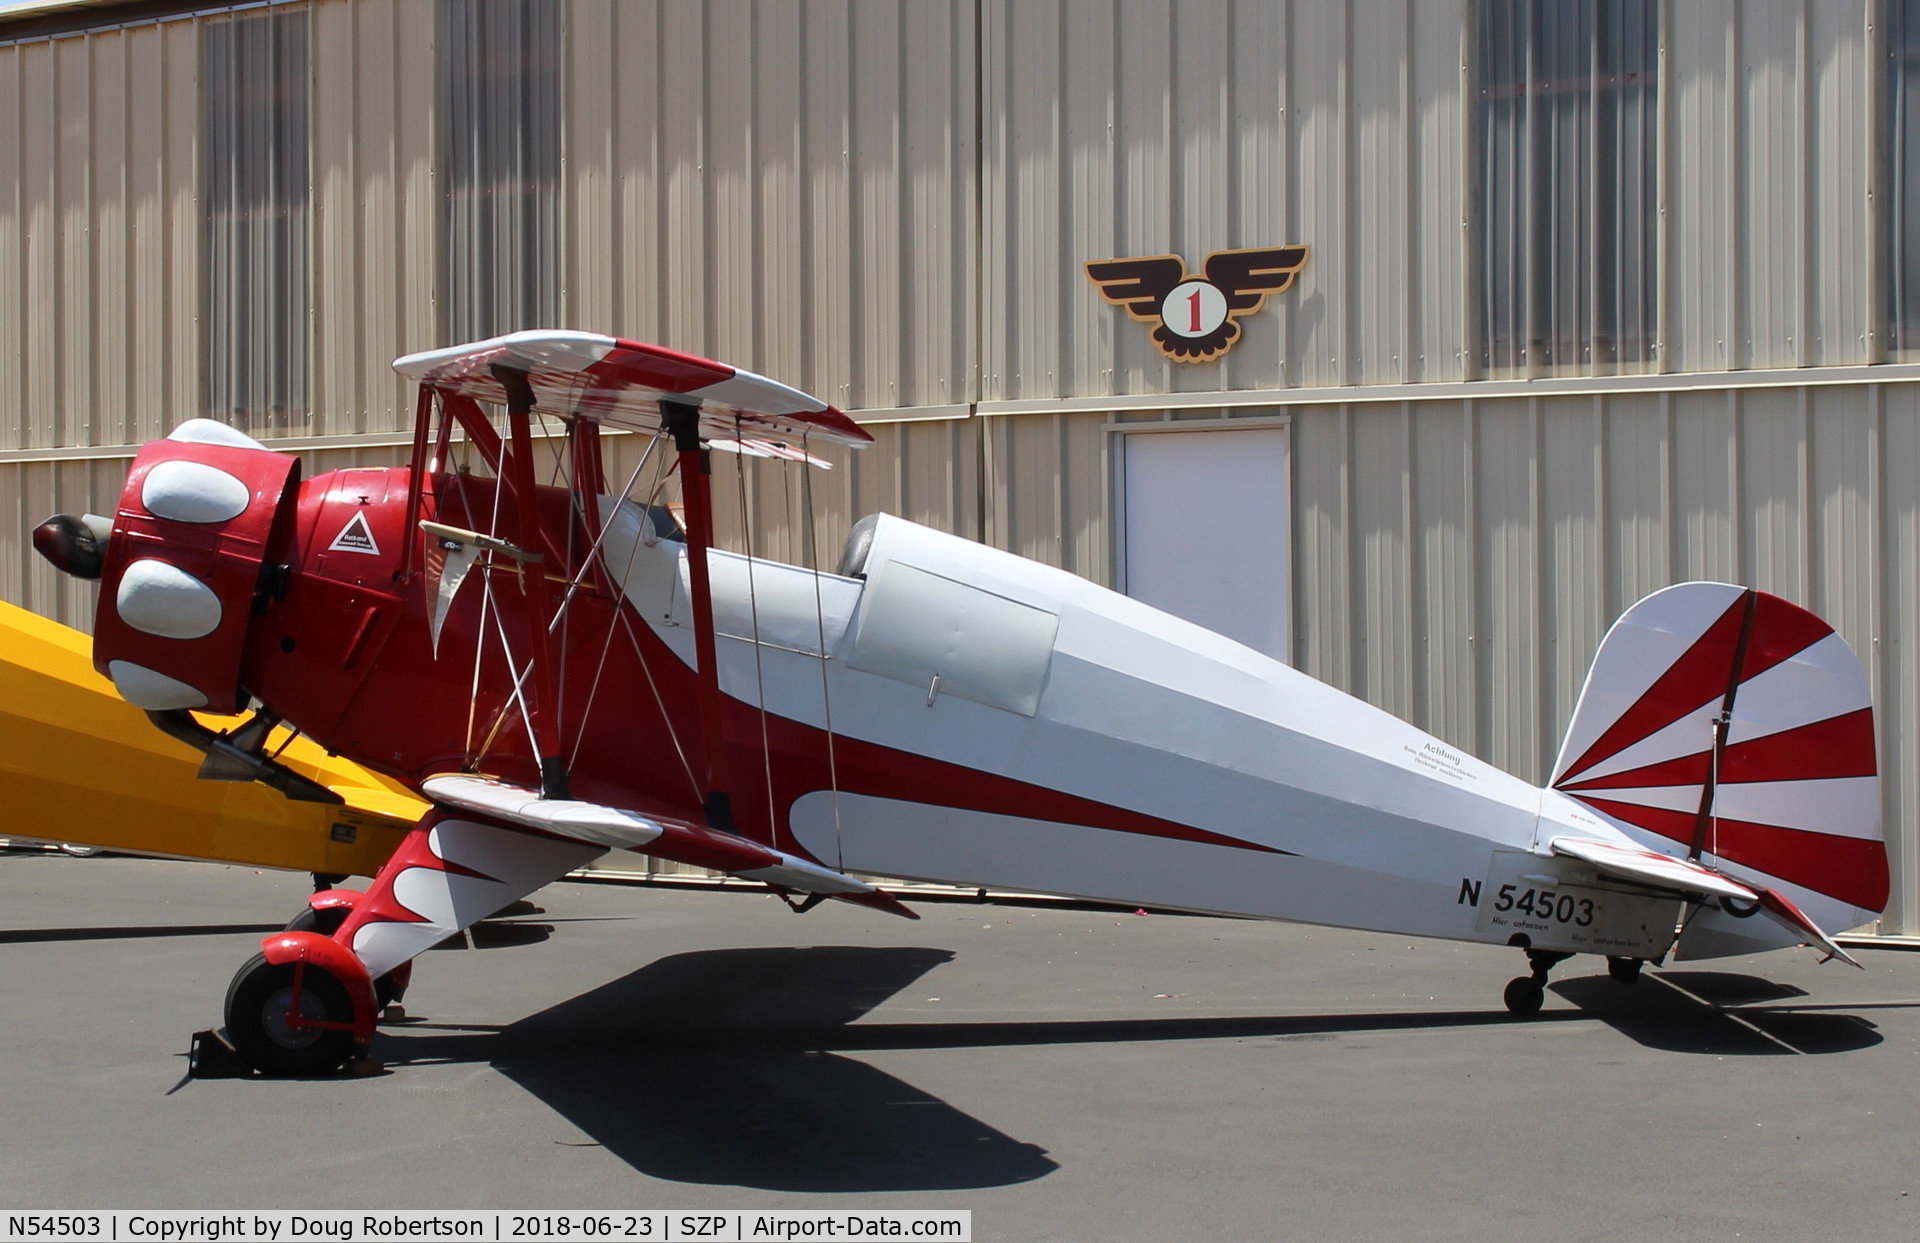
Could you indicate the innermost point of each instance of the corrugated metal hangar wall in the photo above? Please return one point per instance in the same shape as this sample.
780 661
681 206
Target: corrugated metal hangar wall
1601 295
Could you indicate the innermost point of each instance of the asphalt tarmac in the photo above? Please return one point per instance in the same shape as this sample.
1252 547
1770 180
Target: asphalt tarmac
1065 1074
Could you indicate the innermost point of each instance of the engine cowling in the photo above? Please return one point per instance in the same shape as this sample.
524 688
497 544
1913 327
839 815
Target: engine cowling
199 543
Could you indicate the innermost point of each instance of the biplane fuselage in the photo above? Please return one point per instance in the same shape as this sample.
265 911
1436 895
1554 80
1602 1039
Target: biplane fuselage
562 671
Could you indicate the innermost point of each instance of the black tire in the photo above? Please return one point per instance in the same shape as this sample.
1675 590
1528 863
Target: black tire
326 922
256 1019
1625 970
1524 996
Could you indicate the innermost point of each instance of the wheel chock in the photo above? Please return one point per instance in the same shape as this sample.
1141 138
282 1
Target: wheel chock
209 1056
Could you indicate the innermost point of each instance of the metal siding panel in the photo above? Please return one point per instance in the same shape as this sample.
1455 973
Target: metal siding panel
1387 655
1446 569
113 296
1322 622
1086 497
1771 444
1144 223
1898 687
779 120
40 258
878 251
1508 637
74 185
13 510
638 181
996 287
1319 77
592 243
684 319
1382 210
1436 273
1036 245
416 280
14 232
1574 533
1841 543
381 277
1770 274
1203 178
1638 494
1027 485
1705 489
1257 133
150 333
831 329
338 302
1838 181
1088 171
728 169
186 254
1702 258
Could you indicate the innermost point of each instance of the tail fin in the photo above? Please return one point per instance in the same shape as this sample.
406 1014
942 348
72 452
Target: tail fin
1727 725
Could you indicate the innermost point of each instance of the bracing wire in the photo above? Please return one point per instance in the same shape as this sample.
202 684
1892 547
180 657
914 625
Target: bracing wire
617 580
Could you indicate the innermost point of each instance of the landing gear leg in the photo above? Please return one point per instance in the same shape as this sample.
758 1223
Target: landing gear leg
1526 994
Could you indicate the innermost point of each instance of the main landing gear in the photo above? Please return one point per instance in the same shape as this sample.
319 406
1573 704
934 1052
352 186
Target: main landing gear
303 1006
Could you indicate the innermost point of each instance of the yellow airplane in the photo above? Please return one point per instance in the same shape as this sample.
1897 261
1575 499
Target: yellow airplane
80 765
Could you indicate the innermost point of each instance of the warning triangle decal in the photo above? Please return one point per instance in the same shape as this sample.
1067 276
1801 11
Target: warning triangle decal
356 536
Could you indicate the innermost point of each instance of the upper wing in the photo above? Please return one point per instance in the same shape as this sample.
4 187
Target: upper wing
622 383
659 836
1139 285
1248 276
1648 867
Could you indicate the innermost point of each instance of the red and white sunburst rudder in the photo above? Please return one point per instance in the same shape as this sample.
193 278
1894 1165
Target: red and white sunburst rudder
1727 725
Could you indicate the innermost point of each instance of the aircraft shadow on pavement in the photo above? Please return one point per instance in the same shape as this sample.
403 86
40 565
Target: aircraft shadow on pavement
712 1067
27 936
1722 1013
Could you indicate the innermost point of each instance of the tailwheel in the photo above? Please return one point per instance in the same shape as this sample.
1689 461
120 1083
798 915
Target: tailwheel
294 1019
1524 996
1625 970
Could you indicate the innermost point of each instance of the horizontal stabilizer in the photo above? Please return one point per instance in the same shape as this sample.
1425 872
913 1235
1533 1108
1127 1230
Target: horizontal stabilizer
1647 867
662 837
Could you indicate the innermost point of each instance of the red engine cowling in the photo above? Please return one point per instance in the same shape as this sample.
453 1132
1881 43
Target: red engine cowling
203 532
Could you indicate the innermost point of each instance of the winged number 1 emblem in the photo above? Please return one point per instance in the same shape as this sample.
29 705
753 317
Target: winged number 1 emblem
1197 318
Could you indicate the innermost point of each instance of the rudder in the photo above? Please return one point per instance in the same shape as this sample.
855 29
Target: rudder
1784 794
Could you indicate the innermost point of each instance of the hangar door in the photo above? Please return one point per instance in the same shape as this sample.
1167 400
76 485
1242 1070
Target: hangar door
1206 531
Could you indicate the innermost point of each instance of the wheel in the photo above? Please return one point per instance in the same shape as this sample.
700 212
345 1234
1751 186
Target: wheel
1625 970
257 1003
326 922
386 989
1524 996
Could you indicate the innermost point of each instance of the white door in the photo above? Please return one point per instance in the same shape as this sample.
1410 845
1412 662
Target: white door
1206 529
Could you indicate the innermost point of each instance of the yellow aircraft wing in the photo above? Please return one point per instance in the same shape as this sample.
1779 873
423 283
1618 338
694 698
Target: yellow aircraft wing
79 764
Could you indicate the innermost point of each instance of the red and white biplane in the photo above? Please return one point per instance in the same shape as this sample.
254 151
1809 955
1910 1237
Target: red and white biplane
564 672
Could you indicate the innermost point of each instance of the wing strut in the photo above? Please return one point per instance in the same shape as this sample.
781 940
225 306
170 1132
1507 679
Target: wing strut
683 422
518 475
